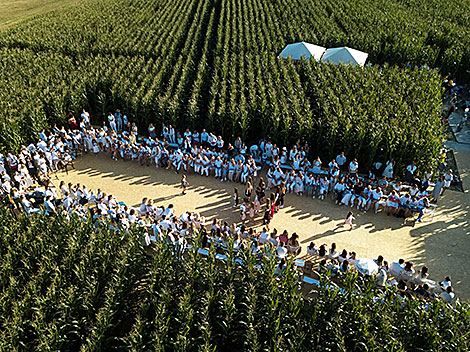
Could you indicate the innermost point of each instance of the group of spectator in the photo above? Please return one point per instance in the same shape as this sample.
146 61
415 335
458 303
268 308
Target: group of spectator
27 185
400 274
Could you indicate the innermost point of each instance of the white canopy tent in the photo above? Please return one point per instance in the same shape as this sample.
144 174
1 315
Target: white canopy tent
345 55
307 50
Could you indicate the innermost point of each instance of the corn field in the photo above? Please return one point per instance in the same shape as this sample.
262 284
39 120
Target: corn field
79 288
213 64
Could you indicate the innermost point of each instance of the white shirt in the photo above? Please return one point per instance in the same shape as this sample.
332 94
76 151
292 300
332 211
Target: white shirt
168 212
447 297
281 252
263 238
340 160
396 269
339 187
353 166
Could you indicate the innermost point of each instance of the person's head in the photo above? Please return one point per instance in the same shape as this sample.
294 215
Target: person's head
333 246
344 253
350 213
170 206
401 261
380 259
426 287
449 289
424 270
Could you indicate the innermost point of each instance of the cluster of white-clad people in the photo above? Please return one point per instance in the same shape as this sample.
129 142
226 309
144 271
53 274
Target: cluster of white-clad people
26 182
296 174
401 273
207 154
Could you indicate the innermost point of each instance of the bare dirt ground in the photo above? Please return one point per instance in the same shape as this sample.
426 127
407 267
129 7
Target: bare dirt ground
15 11
441 242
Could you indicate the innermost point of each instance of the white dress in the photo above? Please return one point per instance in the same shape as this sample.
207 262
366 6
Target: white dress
388 172
27 177
299 184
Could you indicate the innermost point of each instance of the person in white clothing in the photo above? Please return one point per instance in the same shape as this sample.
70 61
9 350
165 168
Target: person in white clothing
388 172
448 178
447 296
349 220
353 167
341 160
263 237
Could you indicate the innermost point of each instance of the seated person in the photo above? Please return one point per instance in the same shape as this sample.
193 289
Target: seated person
408 272
393 201
446 283
344 267
281 267
322 267
281 250
447 296
343 256
332 253
312 249
381 277
423 291
422 275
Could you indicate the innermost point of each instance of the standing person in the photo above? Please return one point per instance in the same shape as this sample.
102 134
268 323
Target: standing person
112 122
267 214
118 118
243 213
184 184
448 178
410 172
341 161
125 122
171 134
249 190
235 197
349 220
388 171
437 191
72 122
252 212
151 130
85 118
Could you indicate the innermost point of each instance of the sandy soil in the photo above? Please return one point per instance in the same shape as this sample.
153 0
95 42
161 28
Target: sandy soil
441 242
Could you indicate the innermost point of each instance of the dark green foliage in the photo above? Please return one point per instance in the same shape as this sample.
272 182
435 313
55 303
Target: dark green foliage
213 64
64 285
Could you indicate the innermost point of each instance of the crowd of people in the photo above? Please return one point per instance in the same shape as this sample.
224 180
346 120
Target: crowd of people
27 185
289 171
401 273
